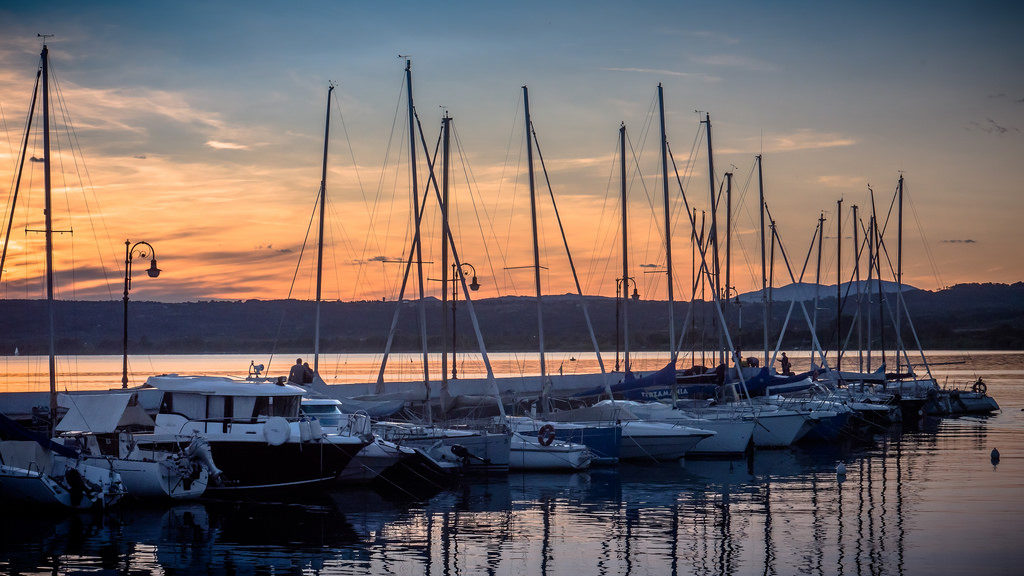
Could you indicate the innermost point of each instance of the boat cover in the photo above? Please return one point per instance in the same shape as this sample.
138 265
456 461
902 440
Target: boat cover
12 430
100 413
633 388
758 384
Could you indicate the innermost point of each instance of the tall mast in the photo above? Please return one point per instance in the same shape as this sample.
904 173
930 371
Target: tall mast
445 228
536 251
877 237
817 274
856 277
764 260
625 252
320 236
668 228
693 285
419 242
839 283
713 233
899 269
871 276
728 234
49 234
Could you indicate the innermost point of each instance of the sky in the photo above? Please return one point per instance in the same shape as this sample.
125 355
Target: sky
198 128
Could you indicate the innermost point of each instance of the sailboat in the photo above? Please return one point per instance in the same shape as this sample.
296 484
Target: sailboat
484 449
32 467
100 427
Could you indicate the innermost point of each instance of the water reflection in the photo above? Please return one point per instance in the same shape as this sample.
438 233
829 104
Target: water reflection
780 512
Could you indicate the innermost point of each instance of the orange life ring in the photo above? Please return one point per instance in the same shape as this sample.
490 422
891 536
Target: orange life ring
546 435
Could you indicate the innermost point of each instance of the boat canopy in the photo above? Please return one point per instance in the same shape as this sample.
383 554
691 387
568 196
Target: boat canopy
100 413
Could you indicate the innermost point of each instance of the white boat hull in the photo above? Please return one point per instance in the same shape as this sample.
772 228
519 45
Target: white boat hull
489 452
529 454
732 436
780 429
370 462
150 479
658 441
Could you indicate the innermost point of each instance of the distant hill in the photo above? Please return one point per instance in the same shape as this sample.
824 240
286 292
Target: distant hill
963 316
803 291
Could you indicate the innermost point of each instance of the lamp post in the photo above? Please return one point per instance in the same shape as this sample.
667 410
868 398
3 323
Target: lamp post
457 274
618 306
141 250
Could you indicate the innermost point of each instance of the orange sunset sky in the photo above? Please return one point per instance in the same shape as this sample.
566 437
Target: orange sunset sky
199 128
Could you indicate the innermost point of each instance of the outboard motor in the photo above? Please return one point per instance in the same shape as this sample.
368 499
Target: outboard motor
199 450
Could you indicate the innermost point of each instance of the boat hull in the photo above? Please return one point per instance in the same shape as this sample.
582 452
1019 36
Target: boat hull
151 479
485 452
371 462
641 442
732 437
529 454
780 430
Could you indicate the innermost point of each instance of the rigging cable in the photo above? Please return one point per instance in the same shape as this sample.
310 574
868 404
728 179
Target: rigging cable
85 183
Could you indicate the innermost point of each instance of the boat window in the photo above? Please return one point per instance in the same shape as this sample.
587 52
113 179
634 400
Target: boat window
244 407
191 406
286 406
319 408
167 403
215 407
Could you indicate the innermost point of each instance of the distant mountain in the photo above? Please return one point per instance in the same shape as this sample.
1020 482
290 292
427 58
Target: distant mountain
960 317
803 291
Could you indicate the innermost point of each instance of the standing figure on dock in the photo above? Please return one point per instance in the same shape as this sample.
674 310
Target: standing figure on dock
787 366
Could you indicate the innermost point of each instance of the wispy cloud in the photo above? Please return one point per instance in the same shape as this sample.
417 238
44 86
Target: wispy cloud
840 181
807 140
217 144
803 139
964 241
666 72
712 36
733 61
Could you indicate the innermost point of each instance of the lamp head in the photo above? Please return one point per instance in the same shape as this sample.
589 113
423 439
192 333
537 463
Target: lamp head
636 295
474 285
153 270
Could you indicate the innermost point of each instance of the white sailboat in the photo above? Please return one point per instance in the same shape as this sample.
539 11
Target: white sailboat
31 474
35 469
99 427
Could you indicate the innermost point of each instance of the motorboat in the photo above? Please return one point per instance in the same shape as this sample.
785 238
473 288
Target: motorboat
254 429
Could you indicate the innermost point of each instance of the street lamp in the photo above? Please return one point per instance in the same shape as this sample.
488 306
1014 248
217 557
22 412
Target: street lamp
457 273
138 249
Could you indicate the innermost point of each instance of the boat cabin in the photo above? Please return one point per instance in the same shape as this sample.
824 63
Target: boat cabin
213 398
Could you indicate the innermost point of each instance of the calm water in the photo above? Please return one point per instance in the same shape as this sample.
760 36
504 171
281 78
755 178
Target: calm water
923 502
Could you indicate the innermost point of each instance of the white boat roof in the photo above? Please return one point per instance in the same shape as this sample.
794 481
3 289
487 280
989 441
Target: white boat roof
221 386
100 413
